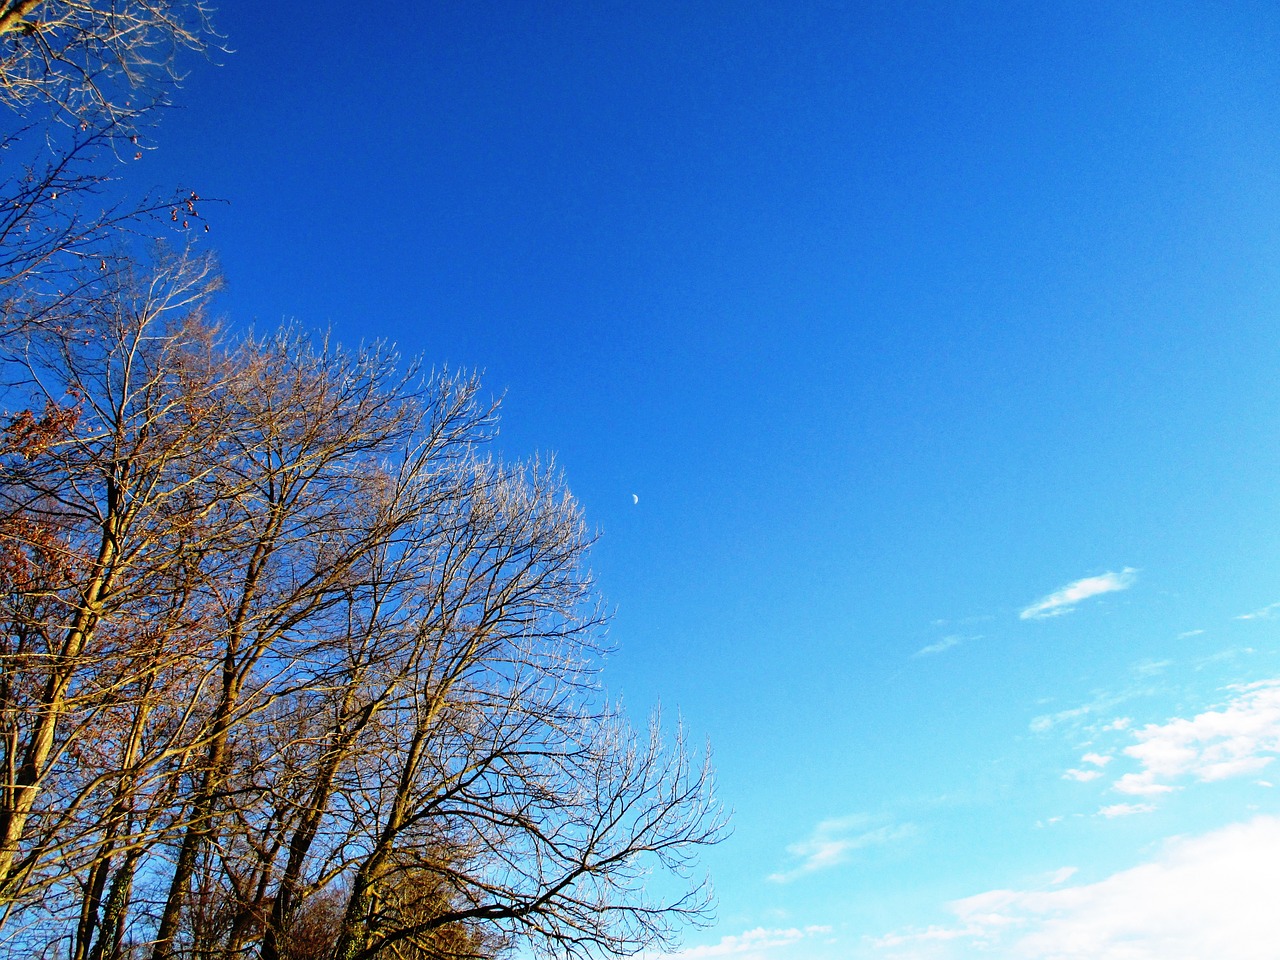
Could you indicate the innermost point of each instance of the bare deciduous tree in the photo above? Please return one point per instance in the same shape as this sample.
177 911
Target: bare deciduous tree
96 506
271 610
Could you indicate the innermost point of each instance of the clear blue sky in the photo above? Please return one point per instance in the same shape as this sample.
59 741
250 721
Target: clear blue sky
898 319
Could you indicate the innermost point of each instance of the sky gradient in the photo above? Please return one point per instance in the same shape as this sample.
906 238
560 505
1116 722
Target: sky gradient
917 365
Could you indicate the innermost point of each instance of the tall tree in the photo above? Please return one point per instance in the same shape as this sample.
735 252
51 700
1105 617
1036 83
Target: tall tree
97 503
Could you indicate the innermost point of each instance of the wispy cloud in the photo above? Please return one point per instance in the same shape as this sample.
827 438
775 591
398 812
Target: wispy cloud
1103 703
1266 613
1223 656
1150 668
1083 776
1125 809
1207 896
1239 739
1065 599
1187 634
752 942
946 643
1061 876
832 841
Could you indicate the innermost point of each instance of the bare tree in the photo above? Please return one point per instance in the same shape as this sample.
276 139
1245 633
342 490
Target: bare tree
311 508
271 610
95 508
98 499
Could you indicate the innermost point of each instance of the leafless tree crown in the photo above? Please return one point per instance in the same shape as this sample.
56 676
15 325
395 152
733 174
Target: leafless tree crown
290 664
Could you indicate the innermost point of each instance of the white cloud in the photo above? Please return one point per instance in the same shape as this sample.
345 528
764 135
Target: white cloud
1239 739
1187 634
946 643
833 840
1097 760
1266 613
1137 785
1065 600
1125 809
1207 896
752 942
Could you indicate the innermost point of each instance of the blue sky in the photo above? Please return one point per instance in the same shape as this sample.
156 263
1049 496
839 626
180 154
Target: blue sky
917 364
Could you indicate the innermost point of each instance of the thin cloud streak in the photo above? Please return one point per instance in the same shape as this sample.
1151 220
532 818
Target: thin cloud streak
1125 809
1266 613
1065 599
946 643
832 841
1106 702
